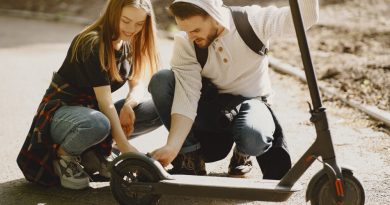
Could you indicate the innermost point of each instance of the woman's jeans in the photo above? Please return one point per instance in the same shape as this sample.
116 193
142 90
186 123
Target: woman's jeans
252 129
77 128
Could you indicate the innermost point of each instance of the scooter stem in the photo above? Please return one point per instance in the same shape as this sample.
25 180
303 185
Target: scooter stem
305 54
323 146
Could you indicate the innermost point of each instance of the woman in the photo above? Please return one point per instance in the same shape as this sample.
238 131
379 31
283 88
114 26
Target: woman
77 114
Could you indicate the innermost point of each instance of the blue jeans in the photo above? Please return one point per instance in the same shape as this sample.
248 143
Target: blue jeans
252 129
77 128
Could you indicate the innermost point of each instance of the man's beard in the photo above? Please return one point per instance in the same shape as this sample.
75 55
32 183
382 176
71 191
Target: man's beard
210 38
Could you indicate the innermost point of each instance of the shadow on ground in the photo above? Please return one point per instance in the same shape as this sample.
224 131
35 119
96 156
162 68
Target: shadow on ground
20 191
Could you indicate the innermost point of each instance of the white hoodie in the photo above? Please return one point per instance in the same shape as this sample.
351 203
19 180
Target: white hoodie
231 65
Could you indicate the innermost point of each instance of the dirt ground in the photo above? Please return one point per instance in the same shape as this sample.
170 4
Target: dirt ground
350 49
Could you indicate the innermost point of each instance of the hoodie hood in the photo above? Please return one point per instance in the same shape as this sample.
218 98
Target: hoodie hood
214 8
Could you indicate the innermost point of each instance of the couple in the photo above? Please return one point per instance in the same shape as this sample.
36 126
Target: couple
77 123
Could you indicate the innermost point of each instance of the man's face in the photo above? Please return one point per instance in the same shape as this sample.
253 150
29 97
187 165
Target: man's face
201 30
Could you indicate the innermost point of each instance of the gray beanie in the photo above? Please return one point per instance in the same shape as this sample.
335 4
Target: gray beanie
213 7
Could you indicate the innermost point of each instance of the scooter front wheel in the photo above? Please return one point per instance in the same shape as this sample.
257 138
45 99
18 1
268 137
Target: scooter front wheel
353 191
126 183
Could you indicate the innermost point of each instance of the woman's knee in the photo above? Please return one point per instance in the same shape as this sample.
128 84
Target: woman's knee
77 128
97 127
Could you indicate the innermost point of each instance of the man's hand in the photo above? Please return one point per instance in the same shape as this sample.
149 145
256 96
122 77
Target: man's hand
165 155
180 127
127 119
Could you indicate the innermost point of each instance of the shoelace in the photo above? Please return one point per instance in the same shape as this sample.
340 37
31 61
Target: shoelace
188 164
72 165
75 167
242 160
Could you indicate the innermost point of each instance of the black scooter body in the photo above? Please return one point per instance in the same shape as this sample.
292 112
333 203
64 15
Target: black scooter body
202 186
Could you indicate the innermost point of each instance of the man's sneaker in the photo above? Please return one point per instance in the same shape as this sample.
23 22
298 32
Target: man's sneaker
93 162
71 173
189 163
240 164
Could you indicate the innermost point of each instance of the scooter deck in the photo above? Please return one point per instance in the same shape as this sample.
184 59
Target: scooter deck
202 186
225 187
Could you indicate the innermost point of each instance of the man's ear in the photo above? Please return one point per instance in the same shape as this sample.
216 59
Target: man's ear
215 22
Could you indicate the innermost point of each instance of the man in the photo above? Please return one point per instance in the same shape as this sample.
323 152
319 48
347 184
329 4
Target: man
194 115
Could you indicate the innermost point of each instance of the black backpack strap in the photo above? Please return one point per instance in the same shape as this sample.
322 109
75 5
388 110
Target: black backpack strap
201 55
244 28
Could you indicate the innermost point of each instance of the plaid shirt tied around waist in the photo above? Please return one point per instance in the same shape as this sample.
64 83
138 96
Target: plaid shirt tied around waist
36 157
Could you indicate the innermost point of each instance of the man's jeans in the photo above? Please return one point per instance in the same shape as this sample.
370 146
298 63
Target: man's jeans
77 128
252 129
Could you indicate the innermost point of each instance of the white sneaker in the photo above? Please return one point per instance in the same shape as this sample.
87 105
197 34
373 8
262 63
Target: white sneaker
71 173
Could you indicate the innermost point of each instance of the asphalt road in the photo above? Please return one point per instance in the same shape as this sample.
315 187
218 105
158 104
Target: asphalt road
30 50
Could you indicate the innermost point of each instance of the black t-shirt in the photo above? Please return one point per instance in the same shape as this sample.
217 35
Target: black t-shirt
88 73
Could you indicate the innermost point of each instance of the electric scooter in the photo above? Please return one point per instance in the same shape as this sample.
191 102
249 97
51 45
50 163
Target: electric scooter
139 179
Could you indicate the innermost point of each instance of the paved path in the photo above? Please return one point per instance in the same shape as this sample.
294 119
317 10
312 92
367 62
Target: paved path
31 50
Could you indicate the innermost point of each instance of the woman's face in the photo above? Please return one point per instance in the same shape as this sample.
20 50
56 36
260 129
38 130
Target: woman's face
131 22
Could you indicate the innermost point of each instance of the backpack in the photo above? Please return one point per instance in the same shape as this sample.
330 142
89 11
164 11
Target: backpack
244 29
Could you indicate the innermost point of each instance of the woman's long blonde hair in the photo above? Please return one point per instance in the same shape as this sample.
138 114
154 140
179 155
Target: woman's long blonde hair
143 46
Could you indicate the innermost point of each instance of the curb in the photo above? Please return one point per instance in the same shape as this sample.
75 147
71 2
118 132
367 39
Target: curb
371 111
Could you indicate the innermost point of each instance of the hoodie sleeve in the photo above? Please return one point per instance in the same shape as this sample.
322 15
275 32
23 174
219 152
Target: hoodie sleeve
270 22
188 80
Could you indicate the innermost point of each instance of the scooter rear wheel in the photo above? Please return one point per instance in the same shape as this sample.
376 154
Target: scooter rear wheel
127 173
353 190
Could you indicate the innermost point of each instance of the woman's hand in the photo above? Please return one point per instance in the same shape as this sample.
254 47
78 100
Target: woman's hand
106 106
127 119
